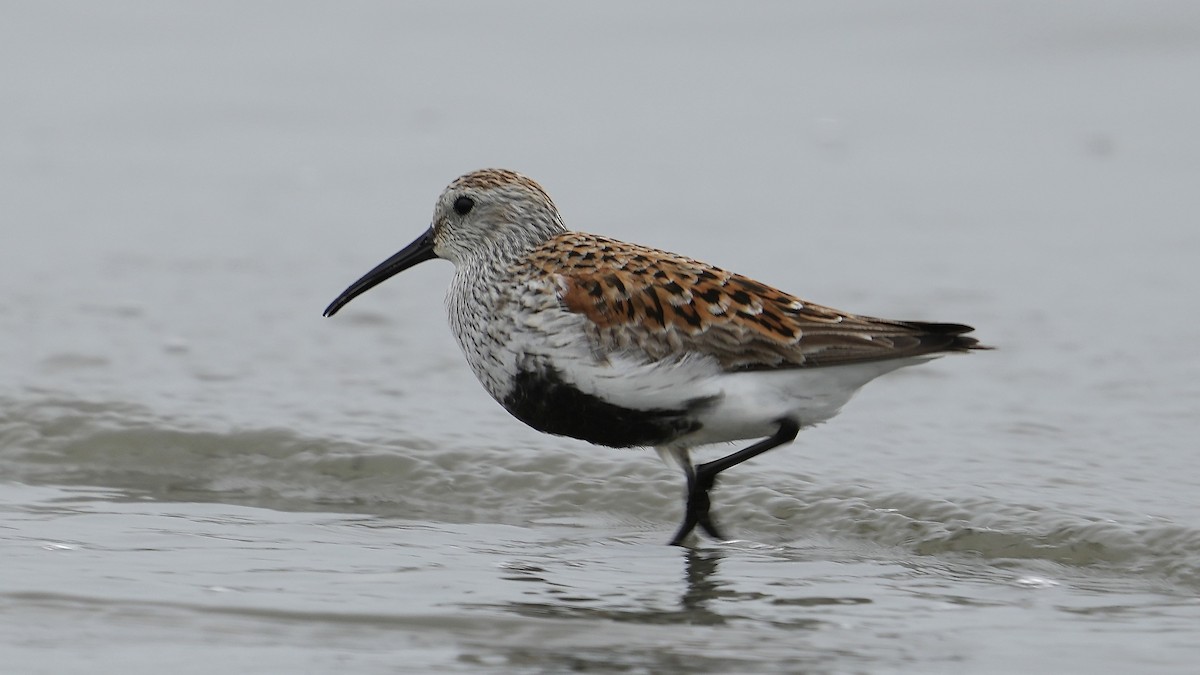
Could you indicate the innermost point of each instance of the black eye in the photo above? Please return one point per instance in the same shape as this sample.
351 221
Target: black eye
463 205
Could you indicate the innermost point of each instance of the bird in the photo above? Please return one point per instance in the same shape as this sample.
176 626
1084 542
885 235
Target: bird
623 345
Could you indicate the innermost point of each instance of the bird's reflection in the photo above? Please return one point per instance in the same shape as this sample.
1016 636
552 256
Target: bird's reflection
702 592
702 585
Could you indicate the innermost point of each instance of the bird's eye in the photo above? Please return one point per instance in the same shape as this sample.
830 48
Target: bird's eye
463 205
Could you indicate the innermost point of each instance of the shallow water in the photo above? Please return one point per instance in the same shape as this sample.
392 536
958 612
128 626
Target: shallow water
199 473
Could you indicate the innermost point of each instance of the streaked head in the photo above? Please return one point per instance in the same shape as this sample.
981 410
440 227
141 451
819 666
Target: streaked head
492 209
486 214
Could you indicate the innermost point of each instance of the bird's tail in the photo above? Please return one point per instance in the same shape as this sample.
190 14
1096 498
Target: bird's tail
946 337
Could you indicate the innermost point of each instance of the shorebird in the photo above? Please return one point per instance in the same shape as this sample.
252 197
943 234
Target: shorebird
623 345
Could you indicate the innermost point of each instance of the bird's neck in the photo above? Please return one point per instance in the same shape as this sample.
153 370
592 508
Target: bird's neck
472 302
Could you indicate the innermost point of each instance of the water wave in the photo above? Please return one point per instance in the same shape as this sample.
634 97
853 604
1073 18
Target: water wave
126 447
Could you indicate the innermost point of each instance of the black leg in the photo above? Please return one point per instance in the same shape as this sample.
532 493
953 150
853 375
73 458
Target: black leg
696 512
702 478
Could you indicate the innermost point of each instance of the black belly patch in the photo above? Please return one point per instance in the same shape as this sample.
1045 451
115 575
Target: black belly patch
540 398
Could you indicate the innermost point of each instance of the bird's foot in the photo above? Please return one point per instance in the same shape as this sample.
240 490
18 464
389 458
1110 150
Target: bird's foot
698 506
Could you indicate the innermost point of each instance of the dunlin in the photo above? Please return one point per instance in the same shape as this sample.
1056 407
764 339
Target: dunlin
622 345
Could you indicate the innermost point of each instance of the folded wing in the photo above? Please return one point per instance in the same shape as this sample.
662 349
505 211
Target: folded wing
665 305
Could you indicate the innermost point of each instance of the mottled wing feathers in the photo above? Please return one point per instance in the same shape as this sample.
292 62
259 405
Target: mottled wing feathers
665 304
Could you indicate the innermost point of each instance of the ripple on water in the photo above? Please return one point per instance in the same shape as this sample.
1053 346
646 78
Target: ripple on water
122 446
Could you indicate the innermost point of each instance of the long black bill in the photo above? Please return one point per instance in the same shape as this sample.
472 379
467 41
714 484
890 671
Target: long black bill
415 253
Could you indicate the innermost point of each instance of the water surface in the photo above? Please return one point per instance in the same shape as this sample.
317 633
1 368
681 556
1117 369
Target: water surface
200 473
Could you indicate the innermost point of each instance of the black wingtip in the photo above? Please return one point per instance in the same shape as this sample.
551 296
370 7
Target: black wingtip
953 336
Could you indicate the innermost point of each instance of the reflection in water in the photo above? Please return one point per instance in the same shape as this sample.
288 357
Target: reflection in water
702 586
700 606
702 592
